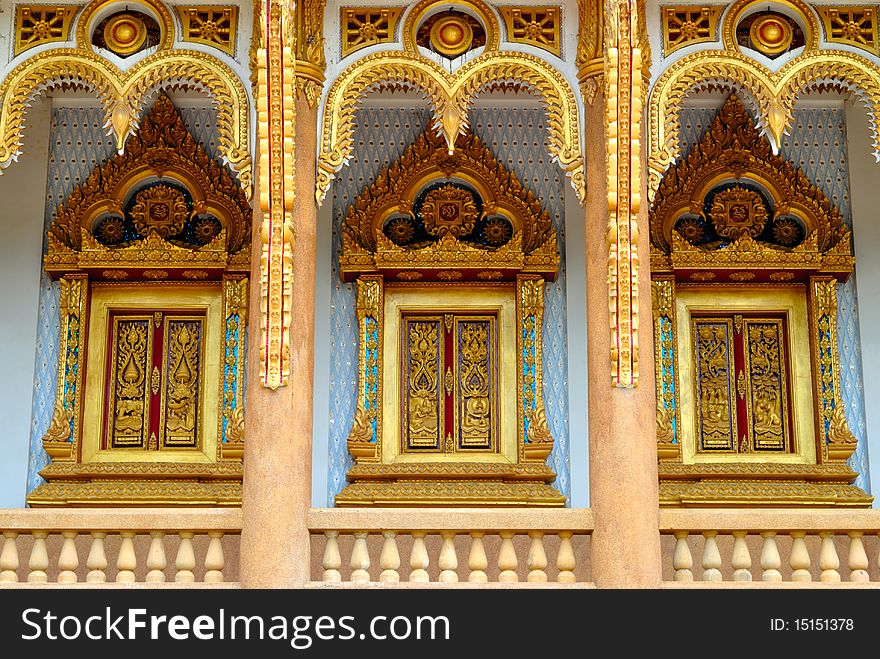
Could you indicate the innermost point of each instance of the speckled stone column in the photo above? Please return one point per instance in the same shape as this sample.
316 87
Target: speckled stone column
622 425
277 489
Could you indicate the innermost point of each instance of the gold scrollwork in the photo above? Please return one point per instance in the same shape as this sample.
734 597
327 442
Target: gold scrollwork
772 94
530 389
363 443
123 94
623 100
275 119
450 95
309 49
666 367
61 438
838 443
733 146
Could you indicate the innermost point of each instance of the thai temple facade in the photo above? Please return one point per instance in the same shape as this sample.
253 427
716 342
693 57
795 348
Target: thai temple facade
338 294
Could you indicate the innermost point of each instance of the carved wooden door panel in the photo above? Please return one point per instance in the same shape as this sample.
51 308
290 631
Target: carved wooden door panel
449 383
743 388
154 380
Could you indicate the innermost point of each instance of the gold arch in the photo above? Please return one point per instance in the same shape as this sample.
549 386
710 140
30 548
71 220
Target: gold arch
165 19
773 94
450 95
123 94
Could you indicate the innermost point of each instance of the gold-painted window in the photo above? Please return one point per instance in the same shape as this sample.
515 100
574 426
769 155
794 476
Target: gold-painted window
154 380
449 382
742 388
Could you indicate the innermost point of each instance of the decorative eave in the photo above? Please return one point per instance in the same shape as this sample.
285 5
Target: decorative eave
153 253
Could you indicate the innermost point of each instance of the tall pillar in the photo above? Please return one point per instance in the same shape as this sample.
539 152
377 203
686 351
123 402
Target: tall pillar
276 493
625 545
277 488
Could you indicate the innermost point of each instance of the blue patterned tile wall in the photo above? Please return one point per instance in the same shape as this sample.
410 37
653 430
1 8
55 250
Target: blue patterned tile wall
817 144
77 143
517 137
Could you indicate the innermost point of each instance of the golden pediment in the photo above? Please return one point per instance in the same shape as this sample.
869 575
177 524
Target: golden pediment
161 203
431 215
734 204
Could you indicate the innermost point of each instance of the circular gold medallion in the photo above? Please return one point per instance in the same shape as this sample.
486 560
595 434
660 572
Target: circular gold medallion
771 34
125 34
451 36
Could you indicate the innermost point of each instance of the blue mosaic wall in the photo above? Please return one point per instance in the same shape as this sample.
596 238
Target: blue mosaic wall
817 144
77 143
517 137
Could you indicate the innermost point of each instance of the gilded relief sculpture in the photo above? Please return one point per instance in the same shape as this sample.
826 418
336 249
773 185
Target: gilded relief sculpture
152 255
449 254
746 257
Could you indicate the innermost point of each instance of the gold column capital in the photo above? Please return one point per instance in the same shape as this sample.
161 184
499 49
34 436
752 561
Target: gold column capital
310 59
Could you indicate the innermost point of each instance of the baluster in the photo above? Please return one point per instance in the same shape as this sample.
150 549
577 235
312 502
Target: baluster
565 561
711 557
332 560
828 559
186 559
800 558
418 559
126 562
858 559
39 560
9 558
68 561
97 560
770 559
741 558
507 562
477 561
682 561
360 558
156 561
537 558
448 558
214 559
389 559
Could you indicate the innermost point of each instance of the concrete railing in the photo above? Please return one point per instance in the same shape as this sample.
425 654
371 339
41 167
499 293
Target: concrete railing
450 547
122 547
770 548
